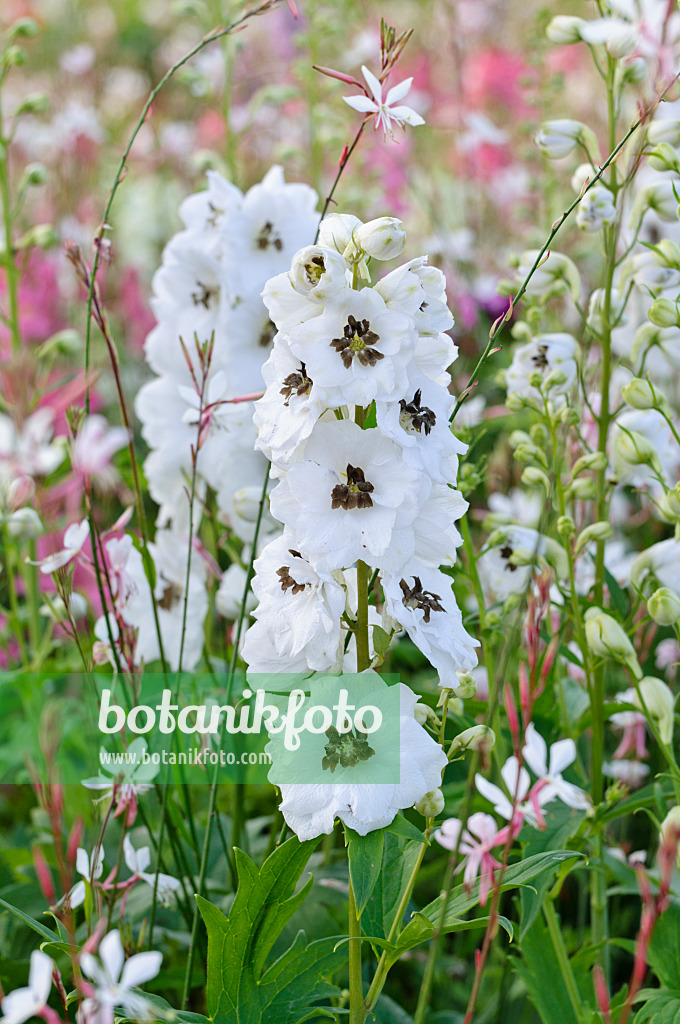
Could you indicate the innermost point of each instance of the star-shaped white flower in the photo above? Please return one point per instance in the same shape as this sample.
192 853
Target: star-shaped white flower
138 861
115 981
24 1003
549 768
74 538
385 112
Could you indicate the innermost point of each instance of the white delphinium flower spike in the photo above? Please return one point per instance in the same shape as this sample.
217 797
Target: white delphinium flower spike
385 111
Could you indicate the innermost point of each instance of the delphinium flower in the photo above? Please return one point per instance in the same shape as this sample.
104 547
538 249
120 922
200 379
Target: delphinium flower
355 491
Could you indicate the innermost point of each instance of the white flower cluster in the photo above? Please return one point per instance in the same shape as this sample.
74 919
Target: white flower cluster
355 420
213 334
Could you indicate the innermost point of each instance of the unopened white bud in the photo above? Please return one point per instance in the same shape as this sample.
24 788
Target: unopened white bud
565 29
467 685
25 524
336 231
641 394
664 158
383 238
421 713
477 737
558 138
664 129
664 606
655 700
606 639
664 313
431 804
593 534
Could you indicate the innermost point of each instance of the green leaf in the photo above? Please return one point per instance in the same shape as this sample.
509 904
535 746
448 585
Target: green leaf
401 826
543 980
664 949
244 987
381 641
561 825
365 862
661 1007
399 857
619 599
41 929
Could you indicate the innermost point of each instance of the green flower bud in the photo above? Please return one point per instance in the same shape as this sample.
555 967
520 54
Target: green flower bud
534 477
667 254
655 700
564 29
664 606
566 526
664 313
592 534
606 639
664 129
35 103
477 737
582 489
590 462
642 394
467 686
431 804
383 238
571 417
664 158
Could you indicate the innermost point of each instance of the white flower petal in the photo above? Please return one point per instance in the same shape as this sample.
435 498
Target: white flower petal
141 968
373 84
397 92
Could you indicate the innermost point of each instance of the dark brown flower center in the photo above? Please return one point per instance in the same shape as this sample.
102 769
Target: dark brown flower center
216 215
415 415
358 340
204 295
267 335
416 597
540 360
356 493
287 581
171 595
345 749
267 237
296 383
506 551
315 269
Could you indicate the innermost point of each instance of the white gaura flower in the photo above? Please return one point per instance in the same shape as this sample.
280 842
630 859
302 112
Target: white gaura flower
138 861
512 802
128 781
384 110
421 600
29 450
348 496
88 871
115 981
95 444
357 350
311 809
299 609
549 767
552 356
24 1003
74 537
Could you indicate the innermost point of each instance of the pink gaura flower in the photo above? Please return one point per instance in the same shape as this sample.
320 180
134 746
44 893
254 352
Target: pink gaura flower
476 842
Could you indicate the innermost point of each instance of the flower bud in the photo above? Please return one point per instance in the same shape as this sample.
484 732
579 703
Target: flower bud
670 831
664 606
67 343
35 103
635 449
666 254
655 700
664 313
664 158
477 737
34 174
564 29
590 462
383 238
566 526
247 503
570 416
673 500
25 524
642 394
582 489
664 129
421 713
606 639
42 236
467 685
19 492
335 232
534 477
593 534
558 138
659 197
431 804
633 71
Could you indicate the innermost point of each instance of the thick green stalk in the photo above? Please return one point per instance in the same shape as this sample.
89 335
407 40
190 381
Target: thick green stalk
10 265
363 652
357 1014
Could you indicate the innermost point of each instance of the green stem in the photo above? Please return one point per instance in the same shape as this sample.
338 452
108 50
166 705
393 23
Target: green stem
363 652
562 957
15 618
357 1014
10 265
